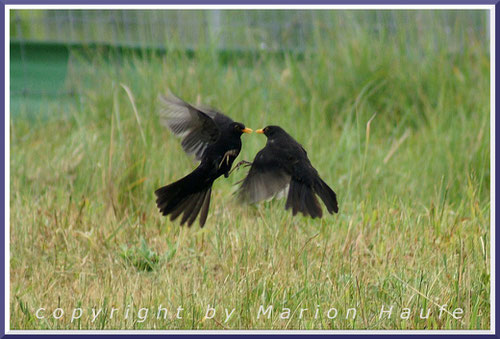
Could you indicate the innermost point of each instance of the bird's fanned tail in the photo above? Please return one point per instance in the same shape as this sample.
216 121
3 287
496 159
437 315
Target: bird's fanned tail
185 197
302 198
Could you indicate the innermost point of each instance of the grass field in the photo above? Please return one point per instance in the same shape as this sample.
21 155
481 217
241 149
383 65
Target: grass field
400 131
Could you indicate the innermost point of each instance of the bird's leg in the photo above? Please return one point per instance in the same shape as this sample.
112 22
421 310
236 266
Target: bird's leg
241 163
222 161
226 157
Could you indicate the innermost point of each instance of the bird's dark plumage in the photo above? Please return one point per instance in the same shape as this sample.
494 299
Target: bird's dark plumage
282 165
214 140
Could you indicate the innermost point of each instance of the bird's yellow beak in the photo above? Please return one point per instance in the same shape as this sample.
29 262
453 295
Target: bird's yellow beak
260 131
247 130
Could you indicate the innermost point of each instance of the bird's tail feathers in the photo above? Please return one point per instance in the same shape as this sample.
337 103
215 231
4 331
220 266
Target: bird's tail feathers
185 197
301 198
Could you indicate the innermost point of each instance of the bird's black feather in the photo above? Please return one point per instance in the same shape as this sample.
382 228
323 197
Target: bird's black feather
283 163
214 139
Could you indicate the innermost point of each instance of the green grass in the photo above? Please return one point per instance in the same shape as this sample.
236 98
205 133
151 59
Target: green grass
413 188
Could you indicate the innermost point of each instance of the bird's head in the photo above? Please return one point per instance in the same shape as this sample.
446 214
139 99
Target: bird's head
271 131
239 128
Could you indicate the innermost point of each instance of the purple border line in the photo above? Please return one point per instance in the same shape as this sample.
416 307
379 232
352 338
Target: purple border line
2 181
193 2
253 2
497 91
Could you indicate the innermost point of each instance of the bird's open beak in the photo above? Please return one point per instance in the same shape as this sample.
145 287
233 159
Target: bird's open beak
247 130
260 131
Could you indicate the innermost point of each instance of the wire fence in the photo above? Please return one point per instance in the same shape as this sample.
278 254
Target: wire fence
238 29
41 40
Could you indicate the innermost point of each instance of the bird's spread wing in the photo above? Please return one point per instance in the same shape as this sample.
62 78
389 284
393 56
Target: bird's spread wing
197 128
265 179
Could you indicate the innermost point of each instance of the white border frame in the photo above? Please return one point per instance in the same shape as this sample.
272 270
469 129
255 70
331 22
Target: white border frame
491 8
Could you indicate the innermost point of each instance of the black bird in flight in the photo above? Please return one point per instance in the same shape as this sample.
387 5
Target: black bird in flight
283 165
214 139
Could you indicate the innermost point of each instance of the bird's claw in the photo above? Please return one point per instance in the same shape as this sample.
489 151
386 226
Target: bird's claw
241 163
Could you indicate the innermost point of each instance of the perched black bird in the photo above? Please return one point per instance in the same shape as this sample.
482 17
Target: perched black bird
214 139
283 165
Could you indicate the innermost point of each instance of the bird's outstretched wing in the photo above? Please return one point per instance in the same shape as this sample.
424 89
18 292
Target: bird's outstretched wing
265 179
195 126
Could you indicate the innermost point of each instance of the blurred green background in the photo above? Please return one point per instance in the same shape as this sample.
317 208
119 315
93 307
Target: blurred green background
43 42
